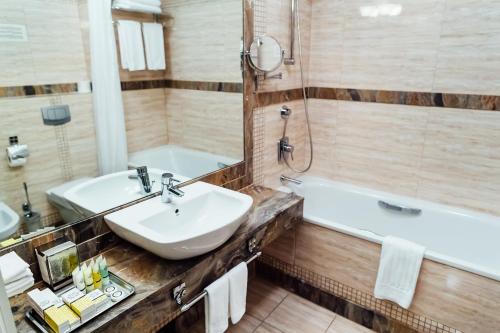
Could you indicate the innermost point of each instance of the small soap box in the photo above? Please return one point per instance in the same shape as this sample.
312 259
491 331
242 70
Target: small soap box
57 261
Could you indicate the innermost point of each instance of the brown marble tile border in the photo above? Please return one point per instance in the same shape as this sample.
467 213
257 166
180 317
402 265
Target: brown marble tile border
230 87
38 90
277 97
380 316
445 100
456 101
68 88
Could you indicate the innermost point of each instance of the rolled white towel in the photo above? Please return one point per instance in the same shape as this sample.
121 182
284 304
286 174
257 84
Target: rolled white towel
12 267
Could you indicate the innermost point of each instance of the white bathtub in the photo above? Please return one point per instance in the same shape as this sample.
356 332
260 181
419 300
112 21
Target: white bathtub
187 162
456 237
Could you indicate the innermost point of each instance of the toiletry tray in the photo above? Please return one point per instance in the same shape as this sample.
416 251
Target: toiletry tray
127 289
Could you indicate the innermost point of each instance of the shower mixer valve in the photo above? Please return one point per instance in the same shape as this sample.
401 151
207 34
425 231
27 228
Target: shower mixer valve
284 148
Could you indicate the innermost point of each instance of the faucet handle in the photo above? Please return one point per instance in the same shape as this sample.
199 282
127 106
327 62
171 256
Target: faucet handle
142 170
168 177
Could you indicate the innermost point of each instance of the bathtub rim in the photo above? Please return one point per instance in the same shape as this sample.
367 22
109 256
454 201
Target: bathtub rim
375 238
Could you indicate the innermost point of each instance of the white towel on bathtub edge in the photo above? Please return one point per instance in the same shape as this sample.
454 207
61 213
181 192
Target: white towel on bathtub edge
398 270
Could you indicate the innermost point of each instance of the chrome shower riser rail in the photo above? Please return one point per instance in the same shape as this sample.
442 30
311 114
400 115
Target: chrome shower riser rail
291 59
202 295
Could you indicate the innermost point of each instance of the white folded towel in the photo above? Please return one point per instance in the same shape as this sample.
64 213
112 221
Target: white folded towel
136 6
12 267
238 280
154 45
131 47
19 286
217 306
398 270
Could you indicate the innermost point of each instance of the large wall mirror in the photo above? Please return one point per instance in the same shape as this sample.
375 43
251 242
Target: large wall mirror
180 94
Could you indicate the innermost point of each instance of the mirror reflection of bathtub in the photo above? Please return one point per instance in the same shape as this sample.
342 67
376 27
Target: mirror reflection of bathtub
179 160
84 197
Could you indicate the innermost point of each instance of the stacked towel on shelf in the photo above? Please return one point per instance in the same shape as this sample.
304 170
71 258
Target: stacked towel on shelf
398 270
131 47
154 45
16 274
145 6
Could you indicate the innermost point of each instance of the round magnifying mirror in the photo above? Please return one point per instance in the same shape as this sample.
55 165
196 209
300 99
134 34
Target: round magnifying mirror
266 54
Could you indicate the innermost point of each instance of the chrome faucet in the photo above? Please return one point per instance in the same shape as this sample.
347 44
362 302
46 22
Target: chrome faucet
168 188
143 178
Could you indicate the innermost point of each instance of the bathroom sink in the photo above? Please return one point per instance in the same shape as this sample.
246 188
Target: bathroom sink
200 221
102 193
9 221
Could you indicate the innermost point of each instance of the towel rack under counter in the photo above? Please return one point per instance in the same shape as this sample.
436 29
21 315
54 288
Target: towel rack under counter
180 290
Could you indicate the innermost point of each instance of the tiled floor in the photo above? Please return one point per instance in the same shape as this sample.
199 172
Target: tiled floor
271 309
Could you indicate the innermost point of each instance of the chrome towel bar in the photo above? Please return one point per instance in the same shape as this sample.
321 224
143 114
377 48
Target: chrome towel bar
179 292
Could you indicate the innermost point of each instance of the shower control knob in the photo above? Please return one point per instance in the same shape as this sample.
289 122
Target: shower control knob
287 148
285 112
284 148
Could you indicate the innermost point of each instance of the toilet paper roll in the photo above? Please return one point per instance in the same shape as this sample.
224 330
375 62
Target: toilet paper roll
13 155
18 162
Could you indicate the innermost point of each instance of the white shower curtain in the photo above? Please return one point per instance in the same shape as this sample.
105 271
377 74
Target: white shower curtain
106 91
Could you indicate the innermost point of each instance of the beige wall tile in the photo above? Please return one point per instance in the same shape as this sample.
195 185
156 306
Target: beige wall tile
146 118
401 49
205 120
341 257
327 39
432 45
461 159
323 115
46 163
469 50
277 24
203 40
54 50
379 145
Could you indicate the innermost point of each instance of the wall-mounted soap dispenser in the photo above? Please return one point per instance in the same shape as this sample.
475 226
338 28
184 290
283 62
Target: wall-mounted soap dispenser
17 155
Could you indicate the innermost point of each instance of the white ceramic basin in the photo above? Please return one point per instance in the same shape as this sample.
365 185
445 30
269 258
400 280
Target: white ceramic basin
9 221
102 193
203 219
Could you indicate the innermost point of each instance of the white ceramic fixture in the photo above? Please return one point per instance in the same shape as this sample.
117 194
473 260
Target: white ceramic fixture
200 221
9 221
110 191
